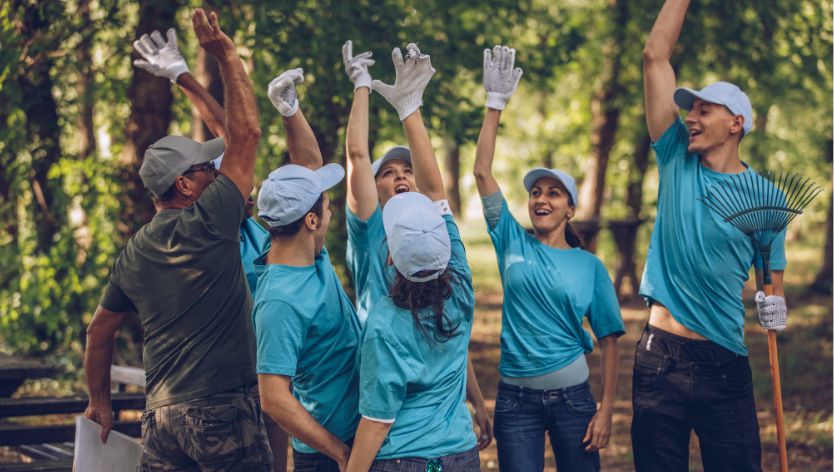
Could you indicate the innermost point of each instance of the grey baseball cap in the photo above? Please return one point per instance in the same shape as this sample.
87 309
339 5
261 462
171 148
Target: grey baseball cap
290 191
722 93
169 157
568 181
400 153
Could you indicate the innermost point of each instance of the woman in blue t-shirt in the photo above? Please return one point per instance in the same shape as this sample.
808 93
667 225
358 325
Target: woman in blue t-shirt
550 284
412 361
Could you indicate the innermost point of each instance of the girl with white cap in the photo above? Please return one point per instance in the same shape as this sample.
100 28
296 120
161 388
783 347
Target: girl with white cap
412 361
550 284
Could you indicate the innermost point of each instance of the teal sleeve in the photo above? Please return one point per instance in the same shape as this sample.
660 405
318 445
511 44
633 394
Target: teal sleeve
458 261
221 208
383 379
507 229
492 208
675 140
777 254
604 312
363 233
280 332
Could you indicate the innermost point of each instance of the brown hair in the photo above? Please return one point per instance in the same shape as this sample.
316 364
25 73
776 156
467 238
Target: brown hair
414 296
291 229
573 238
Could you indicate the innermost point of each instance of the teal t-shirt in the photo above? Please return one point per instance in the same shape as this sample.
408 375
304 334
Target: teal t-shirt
307 329
697 263
367 256
254 241
421 385
547 293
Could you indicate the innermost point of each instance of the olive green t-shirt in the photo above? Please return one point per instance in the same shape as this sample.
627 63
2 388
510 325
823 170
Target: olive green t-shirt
183 275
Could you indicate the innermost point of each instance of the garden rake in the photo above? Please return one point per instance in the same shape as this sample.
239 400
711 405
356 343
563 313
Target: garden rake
761 206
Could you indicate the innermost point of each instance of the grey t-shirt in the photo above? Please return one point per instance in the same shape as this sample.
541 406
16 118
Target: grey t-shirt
182 274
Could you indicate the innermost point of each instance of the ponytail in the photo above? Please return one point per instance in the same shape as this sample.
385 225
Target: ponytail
572 237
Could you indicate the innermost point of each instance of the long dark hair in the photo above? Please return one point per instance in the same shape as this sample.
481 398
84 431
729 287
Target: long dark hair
572 236
414 296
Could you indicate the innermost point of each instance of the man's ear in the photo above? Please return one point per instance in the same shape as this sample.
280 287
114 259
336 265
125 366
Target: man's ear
184 185
311 220
737 127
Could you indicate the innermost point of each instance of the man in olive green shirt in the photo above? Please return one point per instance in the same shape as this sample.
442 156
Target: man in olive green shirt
182 274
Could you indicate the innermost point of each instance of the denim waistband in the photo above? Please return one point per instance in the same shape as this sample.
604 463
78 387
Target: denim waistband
684 351
533 394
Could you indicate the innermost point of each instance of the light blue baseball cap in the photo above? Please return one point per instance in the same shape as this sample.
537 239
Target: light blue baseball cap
722 93
400 153
563 177
291 191
417 237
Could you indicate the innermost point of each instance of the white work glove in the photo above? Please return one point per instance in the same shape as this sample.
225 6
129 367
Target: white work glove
162 59
500 79
282 91
356 67
413 74
772 310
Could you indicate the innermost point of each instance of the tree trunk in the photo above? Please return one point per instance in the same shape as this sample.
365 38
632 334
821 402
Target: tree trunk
452 179
150 114
42 131
625 232
86 83
823 280
605 121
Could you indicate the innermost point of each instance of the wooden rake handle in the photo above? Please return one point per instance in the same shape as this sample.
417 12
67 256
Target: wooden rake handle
777 392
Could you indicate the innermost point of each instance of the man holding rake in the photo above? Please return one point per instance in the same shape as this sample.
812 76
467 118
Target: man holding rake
691 369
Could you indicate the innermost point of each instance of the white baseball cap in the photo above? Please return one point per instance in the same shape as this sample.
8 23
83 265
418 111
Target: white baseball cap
722 93
563 177
400 153
291 191
417 237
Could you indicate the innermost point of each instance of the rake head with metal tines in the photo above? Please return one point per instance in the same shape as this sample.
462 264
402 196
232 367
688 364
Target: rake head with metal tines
761 205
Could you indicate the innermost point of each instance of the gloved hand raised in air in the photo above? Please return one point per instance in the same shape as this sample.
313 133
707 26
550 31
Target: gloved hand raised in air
500 78
413 74
356 67
772 310
282 92
160 58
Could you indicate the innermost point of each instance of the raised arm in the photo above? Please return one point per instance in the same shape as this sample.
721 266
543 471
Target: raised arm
244 129
658 76
500 82
163 58
362 198
301 141
406 95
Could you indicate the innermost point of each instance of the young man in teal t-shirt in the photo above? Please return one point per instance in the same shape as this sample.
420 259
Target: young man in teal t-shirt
691 369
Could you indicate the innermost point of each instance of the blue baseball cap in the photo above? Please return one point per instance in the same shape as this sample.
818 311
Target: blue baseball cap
291 191
417 237
721 93
563 177
400 153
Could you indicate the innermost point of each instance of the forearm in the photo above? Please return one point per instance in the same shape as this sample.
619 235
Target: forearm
369 437
485 153
286 410
356 136
243 130
666 30
210 111
473 388
301 141
610 363
97 360
427 174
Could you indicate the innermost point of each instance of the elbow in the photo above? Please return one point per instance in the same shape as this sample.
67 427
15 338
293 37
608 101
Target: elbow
96 339
480 174
651 54
355 152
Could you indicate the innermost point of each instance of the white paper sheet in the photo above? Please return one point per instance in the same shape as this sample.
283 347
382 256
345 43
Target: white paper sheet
122 453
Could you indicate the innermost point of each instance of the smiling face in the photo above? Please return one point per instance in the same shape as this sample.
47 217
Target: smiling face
549 205
394 177
711 125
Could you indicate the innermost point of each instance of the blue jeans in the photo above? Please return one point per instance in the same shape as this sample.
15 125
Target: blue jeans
315 461
468 461
523 415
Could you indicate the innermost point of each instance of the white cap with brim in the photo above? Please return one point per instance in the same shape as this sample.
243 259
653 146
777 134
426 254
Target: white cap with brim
399 153
721 93
291 191
418 240
171 156
570 184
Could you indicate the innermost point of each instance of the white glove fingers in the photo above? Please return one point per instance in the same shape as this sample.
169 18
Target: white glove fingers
363 56
347 51
413 50
297 75
516 77
381 87
172 37
144 65
487 59
157 39
760 296
145 45
511 58
397 57
505 60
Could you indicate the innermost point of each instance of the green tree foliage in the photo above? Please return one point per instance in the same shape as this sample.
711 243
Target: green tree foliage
61 218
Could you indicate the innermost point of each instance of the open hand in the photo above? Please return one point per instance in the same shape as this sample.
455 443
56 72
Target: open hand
210 36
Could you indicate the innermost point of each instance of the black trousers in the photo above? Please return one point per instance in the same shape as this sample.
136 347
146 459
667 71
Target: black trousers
680 384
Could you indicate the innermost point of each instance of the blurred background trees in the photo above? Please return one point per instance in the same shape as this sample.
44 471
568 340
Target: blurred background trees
76 117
